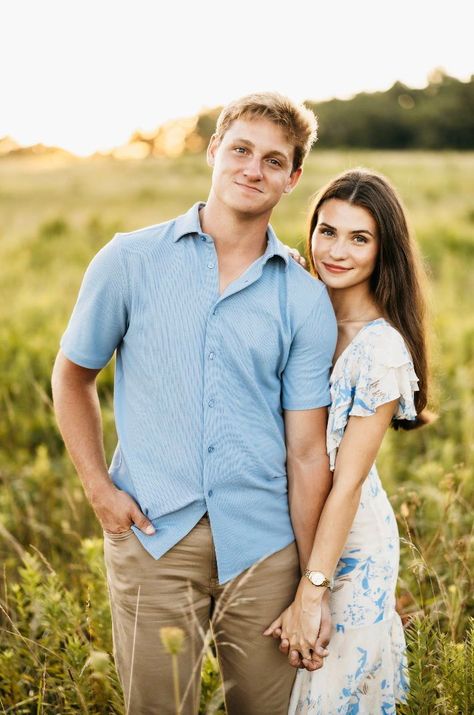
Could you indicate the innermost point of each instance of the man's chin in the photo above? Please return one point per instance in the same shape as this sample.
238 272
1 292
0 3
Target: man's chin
252 207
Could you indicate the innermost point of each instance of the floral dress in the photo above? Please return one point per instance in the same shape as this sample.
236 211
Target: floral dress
365 672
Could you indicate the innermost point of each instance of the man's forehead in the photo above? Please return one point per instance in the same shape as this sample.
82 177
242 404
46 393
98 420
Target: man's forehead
261 133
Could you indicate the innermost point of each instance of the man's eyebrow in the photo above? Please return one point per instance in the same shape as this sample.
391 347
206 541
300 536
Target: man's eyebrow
271 152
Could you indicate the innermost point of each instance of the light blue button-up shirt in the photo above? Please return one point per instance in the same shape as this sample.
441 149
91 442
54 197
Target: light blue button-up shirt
202 379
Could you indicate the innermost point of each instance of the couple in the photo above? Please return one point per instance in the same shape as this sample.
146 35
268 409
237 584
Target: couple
234 497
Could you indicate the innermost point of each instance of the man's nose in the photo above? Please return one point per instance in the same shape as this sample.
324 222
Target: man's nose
253 168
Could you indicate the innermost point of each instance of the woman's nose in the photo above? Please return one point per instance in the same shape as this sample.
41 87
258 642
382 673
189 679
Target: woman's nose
338 249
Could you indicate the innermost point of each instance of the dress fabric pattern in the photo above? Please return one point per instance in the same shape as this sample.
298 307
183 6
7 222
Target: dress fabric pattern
365 672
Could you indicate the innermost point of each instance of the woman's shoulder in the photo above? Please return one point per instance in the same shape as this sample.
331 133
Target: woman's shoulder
376 348
378 343
374 369
387 342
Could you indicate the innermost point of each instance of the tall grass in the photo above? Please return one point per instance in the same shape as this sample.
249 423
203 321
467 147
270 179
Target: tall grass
55 643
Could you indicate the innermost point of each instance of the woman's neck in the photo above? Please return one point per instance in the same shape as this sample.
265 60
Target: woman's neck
354 305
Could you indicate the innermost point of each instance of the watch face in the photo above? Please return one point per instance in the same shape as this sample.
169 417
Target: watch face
317 578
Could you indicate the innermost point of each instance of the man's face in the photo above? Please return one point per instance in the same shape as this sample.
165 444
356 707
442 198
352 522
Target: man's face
252 166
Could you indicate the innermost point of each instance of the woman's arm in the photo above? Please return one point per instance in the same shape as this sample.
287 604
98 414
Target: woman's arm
362 439
357 452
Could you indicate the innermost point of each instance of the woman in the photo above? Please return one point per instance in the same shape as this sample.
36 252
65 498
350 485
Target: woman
359 245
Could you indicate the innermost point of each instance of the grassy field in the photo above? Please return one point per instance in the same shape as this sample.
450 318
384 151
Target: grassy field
55 645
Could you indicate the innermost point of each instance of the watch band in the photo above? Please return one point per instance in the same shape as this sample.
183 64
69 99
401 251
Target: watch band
318 579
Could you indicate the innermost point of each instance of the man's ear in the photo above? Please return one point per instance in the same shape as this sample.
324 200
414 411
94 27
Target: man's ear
293 180
212 148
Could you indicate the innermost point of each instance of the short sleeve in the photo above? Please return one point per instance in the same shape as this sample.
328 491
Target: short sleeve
376 369
305 380
386 373
100 317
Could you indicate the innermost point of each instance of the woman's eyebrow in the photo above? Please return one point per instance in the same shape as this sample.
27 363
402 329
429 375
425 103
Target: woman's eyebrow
364 230
359 230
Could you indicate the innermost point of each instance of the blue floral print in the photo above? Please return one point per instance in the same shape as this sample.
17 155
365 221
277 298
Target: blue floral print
365 672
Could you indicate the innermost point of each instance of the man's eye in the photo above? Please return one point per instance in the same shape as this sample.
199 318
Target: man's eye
274 162
240 149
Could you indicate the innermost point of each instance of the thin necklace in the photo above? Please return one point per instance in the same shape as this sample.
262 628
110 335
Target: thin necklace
355 320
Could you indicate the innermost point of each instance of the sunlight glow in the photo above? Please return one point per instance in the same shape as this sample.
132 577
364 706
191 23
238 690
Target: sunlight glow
86 76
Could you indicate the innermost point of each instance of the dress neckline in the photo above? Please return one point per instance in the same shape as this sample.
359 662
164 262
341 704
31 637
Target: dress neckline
371 322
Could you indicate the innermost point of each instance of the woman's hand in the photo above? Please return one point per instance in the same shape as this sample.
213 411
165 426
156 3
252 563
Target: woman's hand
299 627
296 256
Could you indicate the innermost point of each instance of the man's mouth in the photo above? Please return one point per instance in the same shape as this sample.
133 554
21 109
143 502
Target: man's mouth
250 188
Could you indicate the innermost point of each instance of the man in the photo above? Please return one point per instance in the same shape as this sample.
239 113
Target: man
224 346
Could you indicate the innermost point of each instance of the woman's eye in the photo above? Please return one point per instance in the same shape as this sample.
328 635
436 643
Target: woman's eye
326 232
360 239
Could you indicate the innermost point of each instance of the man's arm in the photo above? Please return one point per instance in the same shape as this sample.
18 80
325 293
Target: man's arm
77 409
309 483
309 477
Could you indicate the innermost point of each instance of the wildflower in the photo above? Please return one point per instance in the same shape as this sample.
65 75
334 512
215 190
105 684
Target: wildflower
172 639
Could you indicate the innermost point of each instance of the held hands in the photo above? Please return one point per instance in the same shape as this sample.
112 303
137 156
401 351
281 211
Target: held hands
117 511
304 628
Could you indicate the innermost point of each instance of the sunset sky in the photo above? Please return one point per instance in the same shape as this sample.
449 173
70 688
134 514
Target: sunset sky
84 75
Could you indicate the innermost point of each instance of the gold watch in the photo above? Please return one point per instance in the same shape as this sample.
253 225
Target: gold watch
317 578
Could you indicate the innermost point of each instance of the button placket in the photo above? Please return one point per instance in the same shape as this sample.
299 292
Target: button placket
211 366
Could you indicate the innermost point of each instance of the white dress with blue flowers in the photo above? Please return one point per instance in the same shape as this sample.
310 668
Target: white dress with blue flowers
365 672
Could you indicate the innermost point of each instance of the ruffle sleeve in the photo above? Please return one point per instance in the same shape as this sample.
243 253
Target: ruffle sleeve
375 369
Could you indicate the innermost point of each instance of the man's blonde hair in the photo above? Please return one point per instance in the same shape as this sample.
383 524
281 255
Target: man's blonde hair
297 121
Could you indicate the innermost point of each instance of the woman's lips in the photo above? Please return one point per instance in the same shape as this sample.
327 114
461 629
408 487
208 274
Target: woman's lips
335 269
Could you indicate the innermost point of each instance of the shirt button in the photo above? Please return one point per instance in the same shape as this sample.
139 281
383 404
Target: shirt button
210 493
212 356
214 312
211 403
211 448
210 264
203 238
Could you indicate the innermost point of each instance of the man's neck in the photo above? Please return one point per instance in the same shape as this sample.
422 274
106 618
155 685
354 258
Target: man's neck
234 232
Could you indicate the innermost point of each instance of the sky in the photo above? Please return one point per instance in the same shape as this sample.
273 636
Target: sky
85 74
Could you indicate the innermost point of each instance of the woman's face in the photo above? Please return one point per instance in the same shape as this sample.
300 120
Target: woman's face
344 244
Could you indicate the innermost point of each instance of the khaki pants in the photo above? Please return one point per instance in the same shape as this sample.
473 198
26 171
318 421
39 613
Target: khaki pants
180 589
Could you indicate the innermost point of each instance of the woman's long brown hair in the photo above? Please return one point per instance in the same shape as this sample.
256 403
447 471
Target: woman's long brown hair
398 277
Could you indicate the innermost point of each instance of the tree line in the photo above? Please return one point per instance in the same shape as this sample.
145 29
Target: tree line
438 116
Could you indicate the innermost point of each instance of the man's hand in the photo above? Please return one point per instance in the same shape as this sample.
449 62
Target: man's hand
117 511
324 634
304 628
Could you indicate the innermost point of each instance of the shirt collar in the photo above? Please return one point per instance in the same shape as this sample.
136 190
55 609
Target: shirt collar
275 247
189 224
